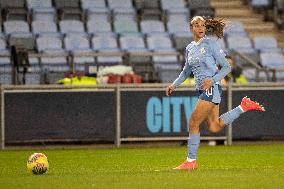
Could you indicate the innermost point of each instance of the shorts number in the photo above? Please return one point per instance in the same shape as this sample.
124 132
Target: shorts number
208 92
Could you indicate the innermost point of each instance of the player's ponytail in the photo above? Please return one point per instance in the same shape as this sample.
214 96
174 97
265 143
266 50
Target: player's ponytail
215 27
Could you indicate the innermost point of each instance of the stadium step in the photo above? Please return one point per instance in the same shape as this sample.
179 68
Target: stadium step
235 10
227 4
233 13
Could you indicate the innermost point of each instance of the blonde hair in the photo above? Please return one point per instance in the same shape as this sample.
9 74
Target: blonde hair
213 26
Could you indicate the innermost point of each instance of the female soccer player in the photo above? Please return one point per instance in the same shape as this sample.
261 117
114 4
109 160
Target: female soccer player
203 55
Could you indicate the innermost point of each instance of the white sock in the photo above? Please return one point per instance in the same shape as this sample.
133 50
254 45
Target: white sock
190 160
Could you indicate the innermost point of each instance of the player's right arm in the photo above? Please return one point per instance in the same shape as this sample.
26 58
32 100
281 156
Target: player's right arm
182 76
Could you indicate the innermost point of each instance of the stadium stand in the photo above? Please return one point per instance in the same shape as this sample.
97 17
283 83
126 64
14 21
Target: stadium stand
146 34
41 10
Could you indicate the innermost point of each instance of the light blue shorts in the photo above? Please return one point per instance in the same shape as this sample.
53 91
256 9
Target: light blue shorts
212 95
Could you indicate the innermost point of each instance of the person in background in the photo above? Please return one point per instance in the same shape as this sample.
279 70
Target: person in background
236 73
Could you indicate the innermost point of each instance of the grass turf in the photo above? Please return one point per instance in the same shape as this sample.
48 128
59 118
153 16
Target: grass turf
253 166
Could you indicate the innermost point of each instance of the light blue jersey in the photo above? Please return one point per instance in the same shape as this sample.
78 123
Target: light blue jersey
202 59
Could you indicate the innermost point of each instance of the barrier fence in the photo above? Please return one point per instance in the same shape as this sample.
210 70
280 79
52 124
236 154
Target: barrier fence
121 113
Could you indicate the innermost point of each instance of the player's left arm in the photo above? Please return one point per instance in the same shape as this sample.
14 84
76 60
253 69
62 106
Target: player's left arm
219 56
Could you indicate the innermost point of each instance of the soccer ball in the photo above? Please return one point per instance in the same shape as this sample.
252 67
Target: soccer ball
37 163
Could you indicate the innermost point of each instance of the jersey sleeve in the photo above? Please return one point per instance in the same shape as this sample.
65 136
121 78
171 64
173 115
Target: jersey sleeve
185 73
219 56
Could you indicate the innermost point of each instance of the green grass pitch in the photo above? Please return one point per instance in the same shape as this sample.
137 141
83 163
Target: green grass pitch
240 166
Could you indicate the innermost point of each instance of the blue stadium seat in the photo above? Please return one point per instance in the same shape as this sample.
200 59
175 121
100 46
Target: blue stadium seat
201 7
172 4
152 26
178 14
15 27
41 10
126 14
241 44
179 30
78 44
4 52
18 33
266 44
122 27
132 44
51 45
14 10
244 46
87 4
260 4
98 26
108 44
102 14
235 28
114 4
161 43
272 60
71 26
47 28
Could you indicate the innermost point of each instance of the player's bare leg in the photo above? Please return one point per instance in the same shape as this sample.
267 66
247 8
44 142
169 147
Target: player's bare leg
200 113
213 122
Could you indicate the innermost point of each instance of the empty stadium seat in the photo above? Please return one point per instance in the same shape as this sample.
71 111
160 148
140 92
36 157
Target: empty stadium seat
71 26
49 28
172 4
100 14
4 52
152 26
41 10
124 14
235 28
78 44
126 28
14 10
51 45
161 43
150 9
98 26
16 27
272 60
5 74
201 7
68 9
179 29
87 4
113 4
18 33
243 45
266 44
108 44
134 44
260 4
52 68
141 63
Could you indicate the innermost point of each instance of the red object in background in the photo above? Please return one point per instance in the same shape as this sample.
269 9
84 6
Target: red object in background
136 78
114 78
127 78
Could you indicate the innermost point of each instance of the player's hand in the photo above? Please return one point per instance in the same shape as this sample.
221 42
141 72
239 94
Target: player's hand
206 84
170 89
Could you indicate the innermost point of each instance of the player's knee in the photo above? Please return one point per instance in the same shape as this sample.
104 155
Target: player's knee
193 122
214 129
